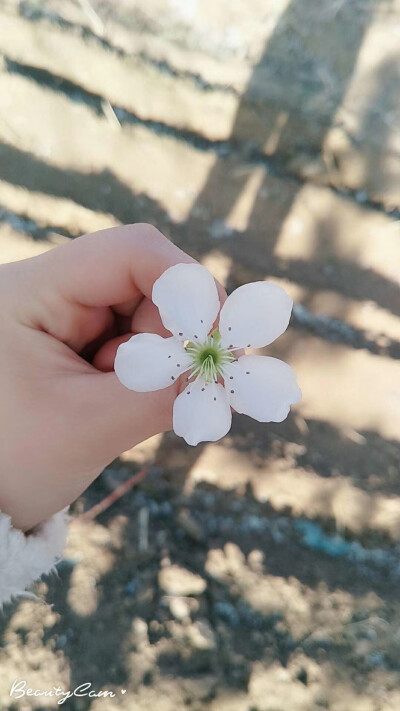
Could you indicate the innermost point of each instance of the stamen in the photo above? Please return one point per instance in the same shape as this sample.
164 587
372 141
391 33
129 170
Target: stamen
209 358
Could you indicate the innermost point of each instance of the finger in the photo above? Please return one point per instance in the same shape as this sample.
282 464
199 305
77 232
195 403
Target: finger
147 319
127 308
108 268
105 356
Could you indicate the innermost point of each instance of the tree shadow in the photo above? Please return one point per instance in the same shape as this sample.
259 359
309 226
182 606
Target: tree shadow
315 82
101 192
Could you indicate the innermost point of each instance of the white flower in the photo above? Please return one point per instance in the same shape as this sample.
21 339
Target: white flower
253 316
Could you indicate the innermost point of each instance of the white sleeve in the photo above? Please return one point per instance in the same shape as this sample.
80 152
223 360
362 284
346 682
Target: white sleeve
25 558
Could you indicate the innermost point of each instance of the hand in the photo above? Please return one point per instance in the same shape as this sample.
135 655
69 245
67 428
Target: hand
63 413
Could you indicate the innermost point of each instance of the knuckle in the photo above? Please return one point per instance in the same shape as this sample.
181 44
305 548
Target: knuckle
145 232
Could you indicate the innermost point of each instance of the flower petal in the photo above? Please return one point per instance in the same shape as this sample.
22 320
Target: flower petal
202 413
148 362
262 387
187 299
254 315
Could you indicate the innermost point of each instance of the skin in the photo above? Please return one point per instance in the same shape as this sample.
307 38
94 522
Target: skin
63 413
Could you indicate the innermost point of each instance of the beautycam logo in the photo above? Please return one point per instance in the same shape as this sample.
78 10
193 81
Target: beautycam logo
20 689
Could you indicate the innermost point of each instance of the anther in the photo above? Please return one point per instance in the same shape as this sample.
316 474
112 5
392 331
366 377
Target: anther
231 377
229 328
169 356
231 346
202 390
181 334
247 372
215 398
172 377
232 391
188 392
201 320
178 365
248 345
196 336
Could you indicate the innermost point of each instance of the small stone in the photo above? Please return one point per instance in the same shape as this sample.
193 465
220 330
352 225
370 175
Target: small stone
67 564
361 196
227 612
165 509
139 633
61 641
179 608
375 659
131 587
175 580
201 635
255 560
219 229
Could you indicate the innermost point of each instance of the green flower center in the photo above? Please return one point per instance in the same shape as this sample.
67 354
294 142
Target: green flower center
209 358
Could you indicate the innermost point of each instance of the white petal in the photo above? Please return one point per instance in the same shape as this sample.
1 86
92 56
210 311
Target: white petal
187 299
202 413
148 362
262 387
254 315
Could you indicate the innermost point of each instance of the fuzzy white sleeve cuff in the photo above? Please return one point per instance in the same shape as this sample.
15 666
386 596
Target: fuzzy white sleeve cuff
25 558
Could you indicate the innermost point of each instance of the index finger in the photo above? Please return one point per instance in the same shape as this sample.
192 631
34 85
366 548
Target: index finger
109 267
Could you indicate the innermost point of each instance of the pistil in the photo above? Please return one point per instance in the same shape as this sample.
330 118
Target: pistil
209 358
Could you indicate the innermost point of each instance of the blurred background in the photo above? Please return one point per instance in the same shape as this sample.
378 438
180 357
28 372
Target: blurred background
262 572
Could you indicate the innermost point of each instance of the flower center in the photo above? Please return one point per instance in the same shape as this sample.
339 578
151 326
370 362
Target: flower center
209 358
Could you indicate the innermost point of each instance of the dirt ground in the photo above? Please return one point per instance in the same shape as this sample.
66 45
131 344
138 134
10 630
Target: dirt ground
260 573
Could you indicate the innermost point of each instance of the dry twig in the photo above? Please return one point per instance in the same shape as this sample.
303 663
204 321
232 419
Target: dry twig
120 491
